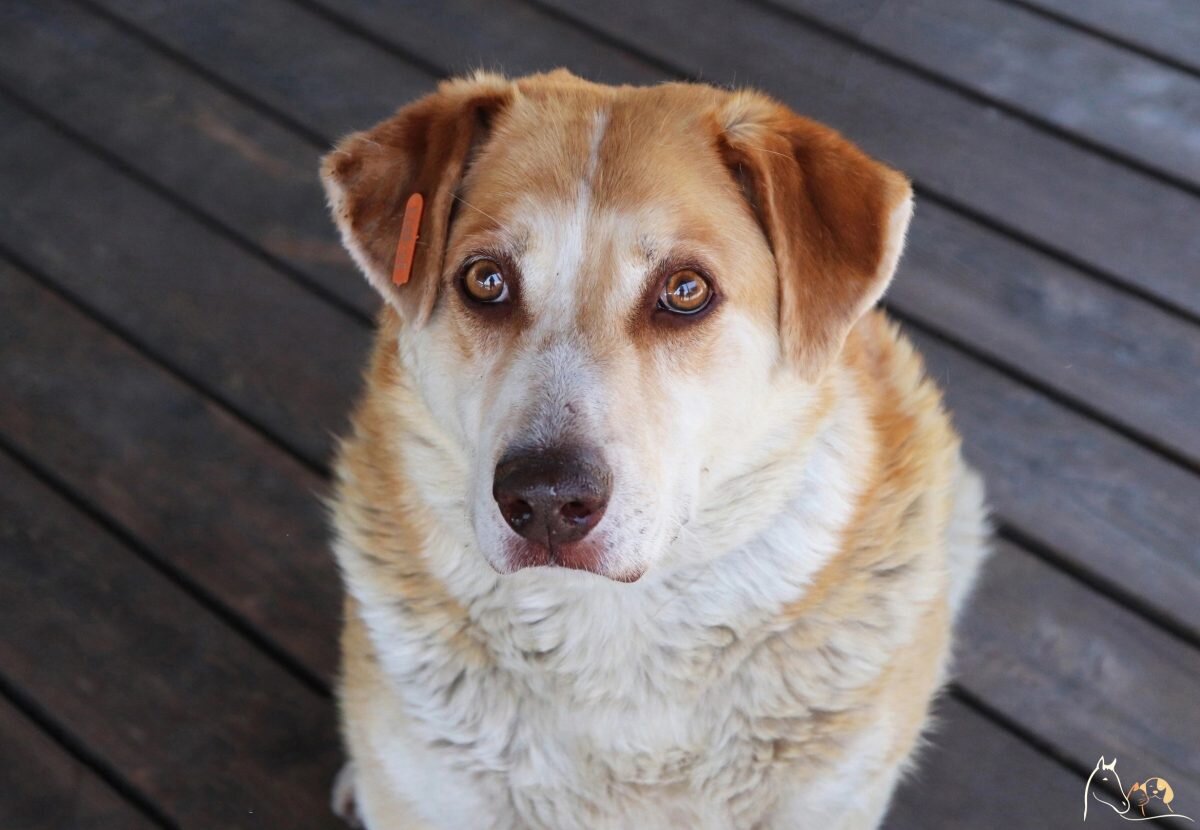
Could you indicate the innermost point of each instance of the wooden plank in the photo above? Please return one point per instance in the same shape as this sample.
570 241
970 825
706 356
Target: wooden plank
44 788
213 733
234 34
306 71
1111 509
212 499
1077 669
989 769
1169 29
1111 353
254 175
335 81
1125 102
1090 209
281 355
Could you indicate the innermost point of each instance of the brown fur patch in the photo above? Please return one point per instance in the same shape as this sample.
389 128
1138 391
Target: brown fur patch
904 508
376 512
829 211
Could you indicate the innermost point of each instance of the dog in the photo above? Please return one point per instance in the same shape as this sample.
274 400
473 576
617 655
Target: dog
1152 789
646 517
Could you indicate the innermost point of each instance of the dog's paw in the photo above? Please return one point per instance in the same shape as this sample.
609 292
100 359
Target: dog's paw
343 801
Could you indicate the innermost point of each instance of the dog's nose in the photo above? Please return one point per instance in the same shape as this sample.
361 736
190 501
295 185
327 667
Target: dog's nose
552 497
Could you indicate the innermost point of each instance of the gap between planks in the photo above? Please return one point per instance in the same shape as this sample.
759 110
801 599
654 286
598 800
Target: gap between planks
79 501
75 749
1128 45
968 92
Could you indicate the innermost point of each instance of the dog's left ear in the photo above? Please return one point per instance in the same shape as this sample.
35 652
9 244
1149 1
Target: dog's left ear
834 217
424 148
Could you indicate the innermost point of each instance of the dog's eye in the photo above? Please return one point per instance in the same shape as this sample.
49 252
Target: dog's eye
484 282
686 292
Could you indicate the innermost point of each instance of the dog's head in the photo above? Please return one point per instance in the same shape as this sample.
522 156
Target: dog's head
622 301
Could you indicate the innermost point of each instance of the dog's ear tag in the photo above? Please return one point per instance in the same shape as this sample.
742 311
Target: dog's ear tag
407 246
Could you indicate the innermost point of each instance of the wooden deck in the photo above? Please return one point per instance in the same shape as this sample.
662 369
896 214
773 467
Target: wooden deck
181 335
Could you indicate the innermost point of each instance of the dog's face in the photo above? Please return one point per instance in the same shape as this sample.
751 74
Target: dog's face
623 299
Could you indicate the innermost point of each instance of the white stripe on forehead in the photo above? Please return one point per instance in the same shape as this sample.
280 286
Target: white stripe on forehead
575 239
599 125
557 236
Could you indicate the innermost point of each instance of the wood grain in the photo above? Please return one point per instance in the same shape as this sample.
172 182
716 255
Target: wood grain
1070 665
1113 354
44 788
1106 95
211 731
1115 512
255 176
208 497
1170 28
280 355
301 73
972 776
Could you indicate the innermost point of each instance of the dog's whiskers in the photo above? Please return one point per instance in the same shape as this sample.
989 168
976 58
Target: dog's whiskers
473 207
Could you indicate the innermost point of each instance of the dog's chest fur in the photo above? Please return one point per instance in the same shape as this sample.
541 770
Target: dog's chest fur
705 728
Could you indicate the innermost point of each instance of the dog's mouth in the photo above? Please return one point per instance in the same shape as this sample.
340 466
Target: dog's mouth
585 556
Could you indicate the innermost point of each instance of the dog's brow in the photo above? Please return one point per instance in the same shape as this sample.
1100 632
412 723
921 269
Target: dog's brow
473 207
647 249
513 242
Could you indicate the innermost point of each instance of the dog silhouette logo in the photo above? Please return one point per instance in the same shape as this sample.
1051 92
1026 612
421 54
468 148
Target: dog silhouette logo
1142 793
1104 787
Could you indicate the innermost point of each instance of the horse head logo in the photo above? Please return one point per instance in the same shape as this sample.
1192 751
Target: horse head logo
1104 785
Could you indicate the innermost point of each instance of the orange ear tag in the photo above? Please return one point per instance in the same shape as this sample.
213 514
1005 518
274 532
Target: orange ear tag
407 246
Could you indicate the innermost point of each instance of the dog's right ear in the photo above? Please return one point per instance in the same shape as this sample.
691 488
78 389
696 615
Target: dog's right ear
424 148
834 217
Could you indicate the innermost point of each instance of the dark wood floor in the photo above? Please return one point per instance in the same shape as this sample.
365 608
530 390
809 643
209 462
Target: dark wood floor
181 335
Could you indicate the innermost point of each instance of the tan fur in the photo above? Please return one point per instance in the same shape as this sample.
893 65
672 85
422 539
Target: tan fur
784 701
